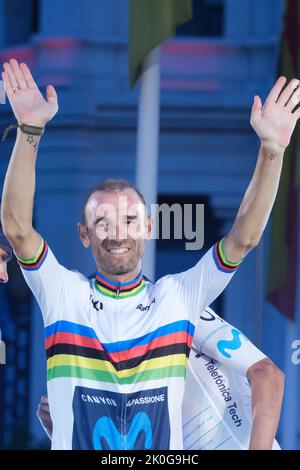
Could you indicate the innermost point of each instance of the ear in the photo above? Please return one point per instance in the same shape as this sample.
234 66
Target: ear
149 228
83 234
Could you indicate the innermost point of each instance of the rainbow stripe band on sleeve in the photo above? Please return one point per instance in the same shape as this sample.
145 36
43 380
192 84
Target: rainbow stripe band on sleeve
222 263
36 262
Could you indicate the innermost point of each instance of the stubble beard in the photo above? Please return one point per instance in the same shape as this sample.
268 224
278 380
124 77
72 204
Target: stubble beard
119 267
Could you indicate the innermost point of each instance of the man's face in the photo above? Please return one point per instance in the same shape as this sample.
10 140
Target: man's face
4 258
116 228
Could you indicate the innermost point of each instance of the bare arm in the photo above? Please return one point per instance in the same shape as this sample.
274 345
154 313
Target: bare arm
29 107
274 123
267 384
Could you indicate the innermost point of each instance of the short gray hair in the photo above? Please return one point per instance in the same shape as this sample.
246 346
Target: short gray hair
109 186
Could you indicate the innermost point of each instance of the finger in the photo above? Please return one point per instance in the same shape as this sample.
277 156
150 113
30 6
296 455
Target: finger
288 92
257 105
18 74
44 410
44 406
294 100
8 86
276 90
51 94
44 416
9 70
256 109
27 75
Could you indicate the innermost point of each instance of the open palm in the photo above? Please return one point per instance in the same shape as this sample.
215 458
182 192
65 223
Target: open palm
275 122
27 102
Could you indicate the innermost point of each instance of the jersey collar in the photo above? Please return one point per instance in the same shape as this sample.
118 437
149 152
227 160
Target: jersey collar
119 290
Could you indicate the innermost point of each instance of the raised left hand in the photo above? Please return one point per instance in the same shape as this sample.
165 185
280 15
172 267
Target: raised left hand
275 121
27 101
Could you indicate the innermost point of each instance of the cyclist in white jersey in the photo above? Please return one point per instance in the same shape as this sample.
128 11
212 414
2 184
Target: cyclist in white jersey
222 361
229 384
117 346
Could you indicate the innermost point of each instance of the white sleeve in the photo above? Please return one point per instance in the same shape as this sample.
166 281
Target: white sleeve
45 278
202 284
219 340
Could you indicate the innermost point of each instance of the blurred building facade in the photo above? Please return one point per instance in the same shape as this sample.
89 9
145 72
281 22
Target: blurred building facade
209 75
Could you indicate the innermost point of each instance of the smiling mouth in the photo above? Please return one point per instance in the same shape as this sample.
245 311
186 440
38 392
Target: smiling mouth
118 251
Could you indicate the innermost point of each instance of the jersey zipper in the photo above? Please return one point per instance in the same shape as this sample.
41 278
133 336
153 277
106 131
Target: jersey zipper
123 403
118 290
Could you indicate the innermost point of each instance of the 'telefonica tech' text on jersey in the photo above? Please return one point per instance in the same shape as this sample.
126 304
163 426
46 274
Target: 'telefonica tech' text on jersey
117 353
217 403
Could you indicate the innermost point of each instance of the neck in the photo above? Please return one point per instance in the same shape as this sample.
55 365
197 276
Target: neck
121 278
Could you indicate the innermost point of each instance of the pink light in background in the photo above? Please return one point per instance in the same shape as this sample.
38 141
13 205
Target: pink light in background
191 47
60 51
21 54
50 56
174 84
58 42
187 65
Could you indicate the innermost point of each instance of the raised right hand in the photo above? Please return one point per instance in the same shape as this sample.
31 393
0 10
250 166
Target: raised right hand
27 102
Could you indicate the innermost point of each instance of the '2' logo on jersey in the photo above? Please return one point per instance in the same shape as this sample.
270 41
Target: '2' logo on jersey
112 421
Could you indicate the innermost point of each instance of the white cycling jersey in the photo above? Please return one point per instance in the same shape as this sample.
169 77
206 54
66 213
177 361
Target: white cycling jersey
117 354
217 410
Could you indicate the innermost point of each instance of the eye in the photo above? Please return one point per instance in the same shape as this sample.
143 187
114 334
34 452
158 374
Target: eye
102 224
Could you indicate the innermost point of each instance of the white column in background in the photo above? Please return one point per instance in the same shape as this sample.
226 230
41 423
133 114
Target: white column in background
147 144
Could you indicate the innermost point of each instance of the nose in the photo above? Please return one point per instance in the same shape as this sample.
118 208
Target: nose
3 273
119 232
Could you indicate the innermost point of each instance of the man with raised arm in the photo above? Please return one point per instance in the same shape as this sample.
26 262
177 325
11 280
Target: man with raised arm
117 345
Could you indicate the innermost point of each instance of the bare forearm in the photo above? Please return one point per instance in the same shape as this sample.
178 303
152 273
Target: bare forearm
259 198
257 203
267 394
263 433
19 185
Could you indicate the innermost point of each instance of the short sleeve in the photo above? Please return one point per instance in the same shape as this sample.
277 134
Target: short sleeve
45 278
219 340
202 284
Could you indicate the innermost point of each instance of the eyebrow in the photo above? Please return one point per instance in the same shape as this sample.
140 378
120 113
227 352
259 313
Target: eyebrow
128 217
99 219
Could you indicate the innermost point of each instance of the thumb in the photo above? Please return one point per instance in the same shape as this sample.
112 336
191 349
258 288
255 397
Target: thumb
51 94
257 104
